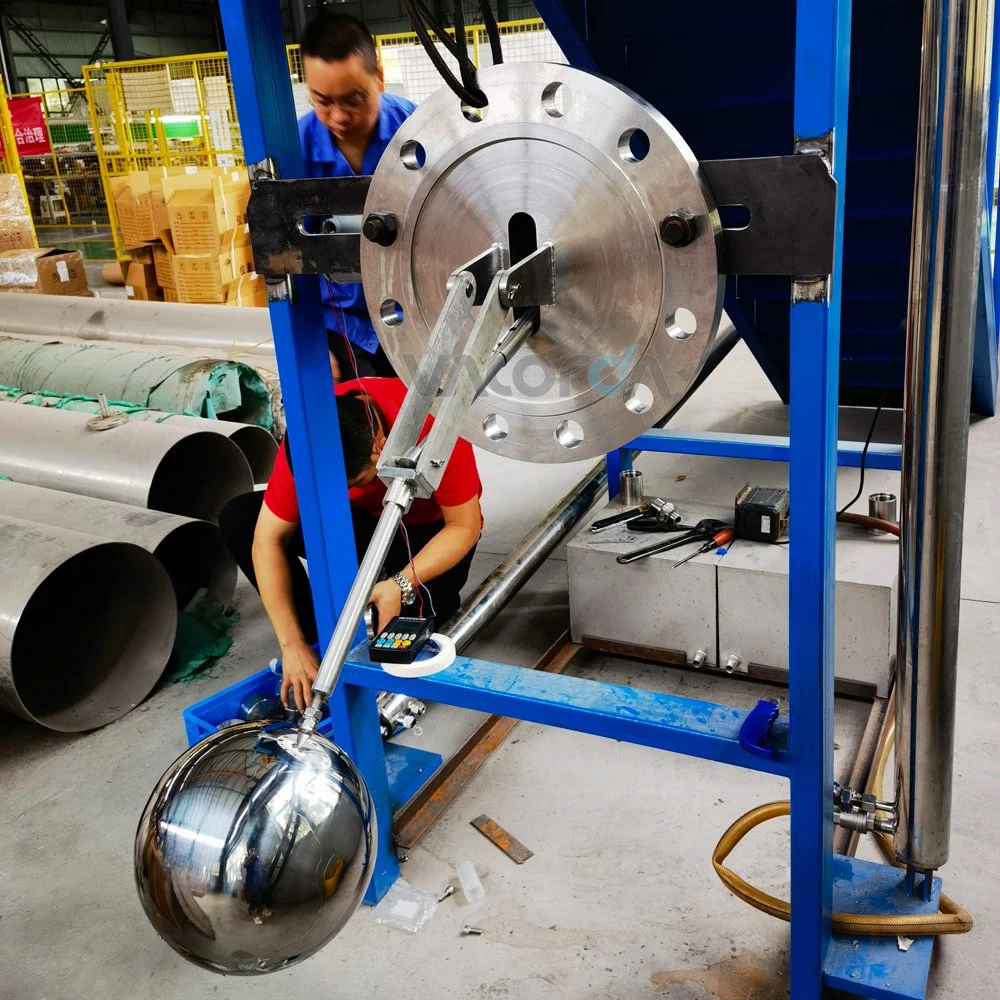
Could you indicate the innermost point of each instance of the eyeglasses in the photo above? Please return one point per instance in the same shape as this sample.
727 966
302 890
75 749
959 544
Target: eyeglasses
352 102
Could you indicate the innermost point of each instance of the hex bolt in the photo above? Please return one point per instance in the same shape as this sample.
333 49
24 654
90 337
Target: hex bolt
678 229
699 659
732 663
380 228
467 930
448 892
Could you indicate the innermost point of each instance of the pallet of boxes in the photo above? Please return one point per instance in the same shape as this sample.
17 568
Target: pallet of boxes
25 267
186 234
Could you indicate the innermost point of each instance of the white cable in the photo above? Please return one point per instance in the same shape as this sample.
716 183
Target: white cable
444 657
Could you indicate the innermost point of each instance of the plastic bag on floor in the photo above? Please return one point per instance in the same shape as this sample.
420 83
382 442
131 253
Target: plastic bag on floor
406 907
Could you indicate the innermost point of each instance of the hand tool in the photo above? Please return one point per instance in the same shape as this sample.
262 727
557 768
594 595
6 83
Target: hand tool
661 511
724 537
701 532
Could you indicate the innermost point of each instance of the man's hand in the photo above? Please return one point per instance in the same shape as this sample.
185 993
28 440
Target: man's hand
299 666
388 601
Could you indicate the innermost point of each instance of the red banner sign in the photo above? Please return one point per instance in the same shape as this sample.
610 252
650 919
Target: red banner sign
30 134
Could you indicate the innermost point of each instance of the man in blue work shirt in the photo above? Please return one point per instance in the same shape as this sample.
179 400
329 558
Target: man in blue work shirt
347 131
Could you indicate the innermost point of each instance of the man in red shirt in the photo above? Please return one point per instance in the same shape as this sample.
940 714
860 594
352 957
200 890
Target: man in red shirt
427 564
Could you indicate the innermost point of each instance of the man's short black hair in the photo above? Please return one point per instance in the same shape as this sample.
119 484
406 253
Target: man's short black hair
332 37
355 434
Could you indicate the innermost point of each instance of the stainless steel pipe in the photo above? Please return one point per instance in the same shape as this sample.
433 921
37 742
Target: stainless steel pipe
161 466
258 445
226 333
191 551
173 382
397 502
944 274
88 625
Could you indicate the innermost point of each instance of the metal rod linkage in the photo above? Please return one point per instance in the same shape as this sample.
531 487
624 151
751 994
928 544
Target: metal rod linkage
944 269
397 503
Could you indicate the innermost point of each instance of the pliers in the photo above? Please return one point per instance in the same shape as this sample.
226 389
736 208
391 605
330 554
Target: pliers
657 511
701 532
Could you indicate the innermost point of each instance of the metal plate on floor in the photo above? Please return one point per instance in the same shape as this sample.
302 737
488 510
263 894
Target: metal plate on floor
496 834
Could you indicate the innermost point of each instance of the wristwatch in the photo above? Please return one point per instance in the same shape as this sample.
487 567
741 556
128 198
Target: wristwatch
407 589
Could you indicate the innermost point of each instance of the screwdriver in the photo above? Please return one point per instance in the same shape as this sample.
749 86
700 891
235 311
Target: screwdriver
724 537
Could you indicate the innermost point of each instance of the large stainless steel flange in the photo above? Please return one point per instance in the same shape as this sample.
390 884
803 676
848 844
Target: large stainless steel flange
565 157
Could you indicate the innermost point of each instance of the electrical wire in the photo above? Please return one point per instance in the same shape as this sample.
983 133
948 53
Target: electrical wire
878 412
492 32
423 24
421 586
338 317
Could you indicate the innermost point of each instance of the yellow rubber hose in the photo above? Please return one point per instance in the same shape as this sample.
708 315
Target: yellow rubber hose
952 918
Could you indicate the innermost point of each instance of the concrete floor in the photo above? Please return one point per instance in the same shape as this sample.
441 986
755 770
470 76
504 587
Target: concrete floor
619 901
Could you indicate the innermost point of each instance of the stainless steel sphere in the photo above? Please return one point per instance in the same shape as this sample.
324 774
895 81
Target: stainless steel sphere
253 852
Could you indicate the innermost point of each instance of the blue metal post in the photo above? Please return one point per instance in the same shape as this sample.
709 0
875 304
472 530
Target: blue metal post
263 91
822 67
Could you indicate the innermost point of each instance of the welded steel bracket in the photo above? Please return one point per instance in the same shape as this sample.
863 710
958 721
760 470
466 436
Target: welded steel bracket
792 201
285 219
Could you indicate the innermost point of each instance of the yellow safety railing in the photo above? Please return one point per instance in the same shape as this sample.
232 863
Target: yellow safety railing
148 113
180 111
64 185
10 162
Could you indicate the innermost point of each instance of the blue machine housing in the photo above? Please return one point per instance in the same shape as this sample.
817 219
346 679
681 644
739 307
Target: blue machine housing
723 73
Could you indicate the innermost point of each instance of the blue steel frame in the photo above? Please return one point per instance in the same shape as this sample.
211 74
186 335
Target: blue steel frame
804 743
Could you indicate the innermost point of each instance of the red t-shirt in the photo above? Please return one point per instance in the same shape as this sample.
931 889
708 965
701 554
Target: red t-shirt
459 484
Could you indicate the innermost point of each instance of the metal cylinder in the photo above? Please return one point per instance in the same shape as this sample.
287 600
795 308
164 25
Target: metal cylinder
88 625
882 506
258 445
191 551
160 466
941 320
172 383
170 324
361 590
630 487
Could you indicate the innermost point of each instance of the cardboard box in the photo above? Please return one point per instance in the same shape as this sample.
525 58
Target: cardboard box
163 260
11 196
44 270
141 283
206 277
142 254
247 290
16 232
144 293
134 207
157 198
170 295
203 208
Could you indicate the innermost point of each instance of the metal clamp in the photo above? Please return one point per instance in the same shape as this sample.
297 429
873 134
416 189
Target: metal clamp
756 729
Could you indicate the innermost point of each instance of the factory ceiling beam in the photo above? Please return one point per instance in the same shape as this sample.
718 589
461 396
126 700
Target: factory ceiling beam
37 49
297 14
121 34
8 65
